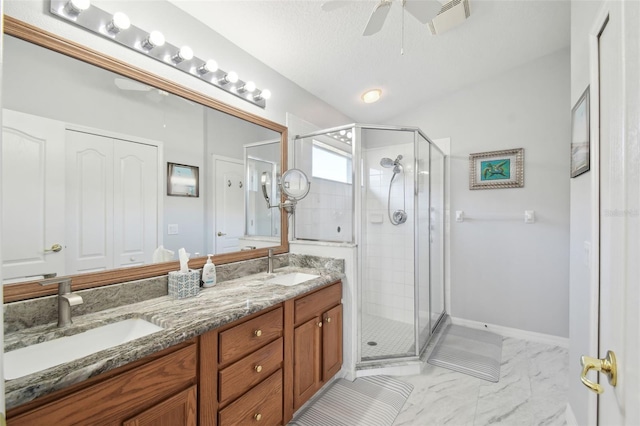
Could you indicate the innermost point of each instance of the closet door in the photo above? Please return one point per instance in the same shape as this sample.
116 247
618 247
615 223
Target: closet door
33 194
135 203
89 202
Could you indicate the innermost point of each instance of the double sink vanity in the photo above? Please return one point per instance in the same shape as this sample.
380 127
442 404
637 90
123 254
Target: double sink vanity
250 350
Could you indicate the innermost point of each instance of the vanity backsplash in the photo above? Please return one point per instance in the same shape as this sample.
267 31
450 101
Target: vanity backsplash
33 312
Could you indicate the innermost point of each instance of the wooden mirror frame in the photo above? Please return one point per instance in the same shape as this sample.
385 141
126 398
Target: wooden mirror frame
35 35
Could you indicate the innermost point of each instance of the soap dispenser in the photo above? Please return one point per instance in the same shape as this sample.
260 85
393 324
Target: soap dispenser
209 273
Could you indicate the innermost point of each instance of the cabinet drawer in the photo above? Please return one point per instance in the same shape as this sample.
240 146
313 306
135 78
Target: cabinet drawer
262 405
250 370
245 338
314 304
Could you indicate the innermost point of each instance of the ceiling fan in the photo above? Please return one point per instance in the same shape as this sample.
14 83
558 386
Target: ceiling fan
423 10
440 15
154 94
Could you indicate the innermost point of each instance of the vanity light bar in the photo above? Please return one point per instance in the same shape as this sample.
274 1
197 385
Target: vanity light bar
117 27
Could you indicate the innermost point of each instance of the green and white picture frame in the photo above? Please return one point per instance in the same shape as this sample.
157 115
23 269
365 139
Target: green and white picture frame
497 169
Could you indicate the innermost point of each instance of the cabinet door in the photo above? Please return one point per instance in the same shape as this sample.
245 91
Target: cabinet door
331 342
180 409
306 361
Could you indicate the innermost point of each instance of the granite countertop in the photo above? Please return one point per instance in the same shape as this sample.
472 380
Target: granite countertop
182 319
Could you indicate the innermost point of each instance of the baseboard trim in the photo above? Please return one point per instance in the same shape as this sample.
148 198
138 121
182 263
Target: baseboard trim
569 417
514 332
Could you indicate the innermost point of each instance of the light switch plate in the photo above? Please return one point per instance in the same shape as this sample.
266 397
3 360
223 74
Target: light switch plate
172 229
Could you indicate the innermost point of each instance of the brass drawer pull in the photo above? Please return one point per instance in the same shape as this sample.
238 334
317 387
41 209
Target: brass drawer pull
328 319
320 324
258 417
258 333
258 368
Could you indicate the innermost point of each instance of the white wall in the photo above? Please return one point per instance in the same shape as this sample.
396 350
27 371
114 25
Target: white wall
582 330
503 271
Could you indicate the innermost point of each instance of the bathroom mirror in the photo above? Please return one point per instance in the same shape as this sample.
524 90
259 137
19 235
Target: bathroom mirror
127 116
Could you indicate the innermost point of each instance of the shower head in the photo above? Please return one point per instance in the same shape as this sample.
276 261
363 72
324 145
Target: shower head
387 162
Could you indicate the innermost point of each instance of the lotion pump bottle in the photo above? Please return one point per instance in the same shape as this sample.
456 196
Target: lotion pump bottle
209 273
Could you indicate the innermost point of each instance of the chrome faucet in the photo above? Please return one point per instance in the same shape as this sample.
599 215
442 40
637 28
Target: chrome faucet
66 299
270 260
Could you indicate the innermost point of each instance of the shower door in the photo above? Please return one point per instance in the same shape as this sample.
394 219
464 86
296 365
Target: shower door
387 304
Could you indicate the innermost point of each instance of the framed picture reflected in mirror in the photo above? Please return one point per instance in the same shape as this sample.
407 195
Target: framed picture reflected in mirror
183 180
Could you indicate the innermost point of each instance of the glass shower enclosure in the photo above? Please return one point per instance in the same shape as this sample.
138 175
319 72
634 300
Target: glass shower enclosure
381 188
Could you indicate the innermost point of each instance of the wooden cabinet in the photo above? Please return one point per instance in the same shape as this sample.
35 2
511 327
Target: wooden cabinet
180 409
317 342
257 370
142 393
241 371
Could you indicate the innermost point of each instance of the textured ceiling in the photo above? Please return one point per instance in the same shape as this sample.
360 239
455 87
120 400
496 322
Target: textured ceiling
325 52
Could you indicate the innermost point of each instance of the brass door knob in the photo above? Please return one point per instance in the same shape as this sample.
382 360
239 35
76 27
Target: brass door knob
221 234
328 319
258 368
54 248
607 366
320 324
258 417
258 333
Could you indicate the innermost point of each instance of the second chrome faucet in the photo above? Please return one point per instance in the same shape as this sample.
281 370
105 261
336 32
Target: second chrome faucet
270 260
66 299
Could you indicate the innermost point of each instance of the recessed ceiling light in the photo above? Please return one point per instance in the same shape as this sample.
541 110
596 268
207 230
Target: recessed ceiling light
371 96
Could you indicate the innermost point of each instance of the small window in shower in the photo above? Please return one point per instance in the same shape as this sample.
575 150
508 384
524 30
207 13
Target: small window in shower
331 163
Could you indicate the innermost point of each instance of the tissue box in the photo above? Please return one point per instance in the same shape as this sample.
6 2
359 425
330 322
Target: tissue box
184 284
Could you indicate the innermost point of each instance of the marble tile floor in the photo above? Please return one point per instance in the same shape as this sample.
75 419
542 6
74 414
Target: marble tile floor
532 390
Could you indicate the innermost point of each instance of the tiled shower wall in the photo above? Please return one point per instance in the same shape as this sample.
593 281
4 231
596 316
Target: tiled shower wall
326 214
388 250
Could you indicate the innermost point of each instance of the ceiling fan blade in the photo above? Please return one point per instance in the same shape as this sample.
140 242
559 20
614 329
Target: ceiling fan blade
377 18
125 84
423 10
331 5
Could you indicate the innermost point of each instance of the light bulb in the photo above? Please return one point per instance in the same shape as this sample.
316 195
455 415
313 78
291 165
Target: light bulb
184 54
371 96
249 86
349 134
265 94
155 39
119 22
343 132
209 66
230 77
76 7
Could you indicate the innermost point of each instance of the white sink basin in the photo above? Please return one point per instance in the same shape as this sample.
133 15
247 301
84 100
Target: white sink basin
293 278
38 357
